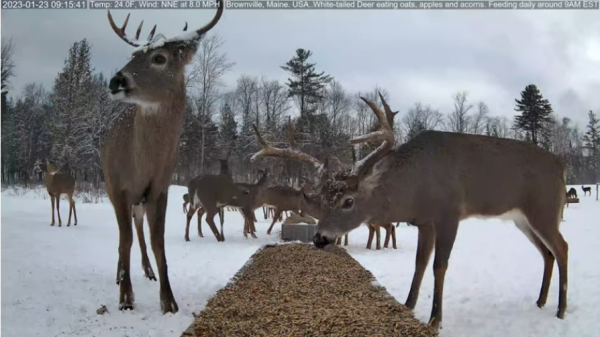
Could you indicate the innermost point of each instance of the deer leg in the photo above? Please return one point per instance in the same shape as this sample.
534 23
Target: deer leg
138 219
251 219
275 217
123 214
211 211
378 233
156 211
388 231
221 220
424 249
58 210
370 239
189 216
393 231
556 244
52 204
346 240
200 213
72 203
445 235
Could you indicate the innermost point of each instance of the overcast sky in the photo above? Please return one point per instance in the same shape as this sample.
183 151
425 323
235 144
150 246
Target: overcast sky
423 56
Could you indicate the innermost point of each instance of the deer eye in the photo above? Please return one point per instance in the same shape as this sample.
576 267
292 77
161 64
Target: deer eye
159 59
348 203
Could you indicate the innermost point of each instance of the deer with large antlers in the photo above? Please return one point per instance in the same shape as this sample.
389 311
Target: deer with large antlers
140 151
56 184
434 181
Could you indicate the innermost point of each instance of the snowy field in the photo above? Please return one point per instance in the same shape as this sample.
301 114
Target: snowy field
54 279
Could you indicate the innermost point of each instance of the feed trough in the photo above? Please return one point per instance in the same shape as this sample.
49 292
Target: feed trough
298 228
572 200
299 290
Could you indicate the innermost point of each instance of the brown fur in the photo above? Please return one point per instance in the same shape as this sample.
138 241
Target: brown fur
140 153
434 181
282 198
56 184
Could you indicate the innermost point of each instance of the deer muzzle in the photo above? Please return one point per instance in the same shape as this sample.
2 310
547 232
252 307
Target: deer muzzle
118 83
322 241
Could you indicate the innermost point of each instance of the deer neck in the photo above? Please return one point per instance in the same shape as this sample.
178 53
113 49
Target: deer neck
158 125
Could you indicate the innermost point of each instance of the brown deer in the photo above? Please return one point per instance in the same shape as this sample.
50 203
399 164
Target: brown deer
190 214
57 184
140 151
434 181
212 191
280 199
586 190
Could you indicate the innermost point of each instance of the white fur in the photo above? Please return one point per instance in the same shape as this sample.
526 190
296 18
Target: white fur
512 215
196 201
138 211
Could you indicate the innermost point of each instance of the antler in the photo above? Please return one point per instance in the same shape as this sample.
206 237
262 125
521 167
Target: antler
384 134
121 31
136 43
269 151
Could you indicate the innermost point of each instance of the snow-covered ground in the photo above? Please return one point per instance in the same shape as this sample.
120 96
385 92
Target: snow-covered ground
54 279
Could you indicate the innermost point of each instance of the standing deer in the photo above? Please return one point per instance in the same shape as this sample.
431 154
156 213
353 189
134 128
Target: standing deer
211 191
190 214
280 198
586 190
56 184
434 181
140 151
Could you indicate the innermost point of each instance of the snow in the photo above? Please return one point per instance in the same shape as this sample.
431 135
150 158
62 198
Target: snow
54 279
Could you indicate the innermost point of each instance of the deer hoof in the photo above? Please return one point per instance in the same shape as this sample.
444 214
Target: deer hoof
127 305
253 235
69 224
52 224
149 273
169 305
540 304
187 239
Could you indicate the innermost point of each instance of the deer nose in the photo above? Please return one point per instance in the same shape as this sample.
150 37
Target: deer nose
117 82
321 241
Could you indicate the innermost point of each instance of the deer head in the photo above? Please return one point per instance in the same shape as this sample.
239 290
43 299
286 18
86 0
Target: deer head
156 70
345 198
342 191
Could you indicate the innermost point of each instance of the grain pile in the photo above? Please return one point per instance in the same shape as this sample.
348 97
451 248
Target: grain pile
298 290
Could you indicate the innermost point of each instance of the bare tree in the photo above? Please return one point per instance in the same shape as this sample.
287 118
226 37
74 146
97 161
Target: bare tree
275 100
210 65
479 120
247 87
420 118
459 119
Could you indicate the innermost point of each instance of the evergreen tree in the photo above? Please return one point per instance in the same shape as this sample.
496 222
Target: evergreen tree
535 116
227 130
591 139
306 84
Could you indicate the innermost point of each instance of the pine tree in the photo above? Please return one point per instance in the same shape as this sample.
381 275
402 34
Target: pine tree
307 85
591 139
535 116
227 130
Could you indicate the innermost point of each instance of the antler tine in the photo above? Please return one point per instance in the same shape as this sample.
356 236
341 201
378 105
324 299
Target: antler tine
185 27
385 132
388 112
270 151
121 31
213 22
139 30
151 35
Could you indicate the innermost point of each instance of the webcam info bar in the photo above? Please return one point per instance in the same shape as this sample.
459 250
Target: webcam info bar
348 5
